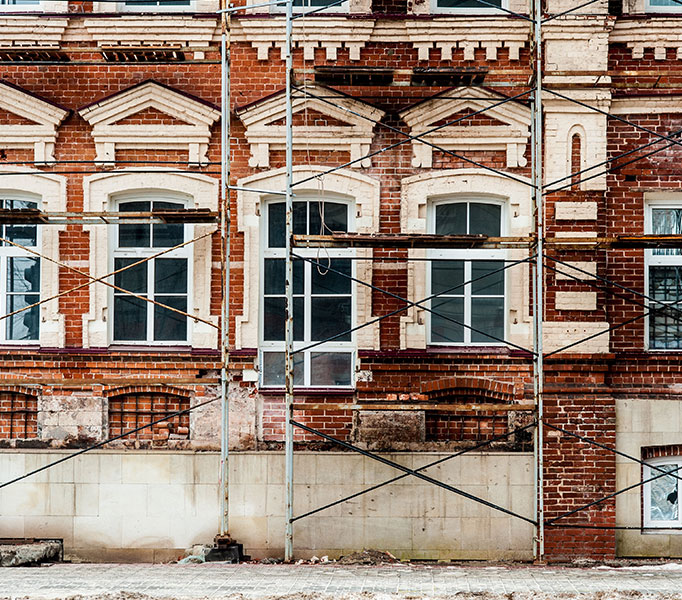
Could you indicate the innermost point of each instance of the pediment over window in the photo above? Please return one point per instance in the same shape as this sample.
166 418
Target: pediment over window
318 124
29 121
151 116
504 127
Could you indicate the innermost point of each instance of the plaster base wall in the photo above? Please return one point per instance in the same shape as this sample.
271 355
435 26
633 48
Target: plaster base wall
151 505
641 423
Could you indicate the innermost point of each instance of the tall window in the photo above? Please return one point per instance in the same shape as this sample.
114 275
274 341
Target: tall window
470 283
323 299
661 497
19 277
163 279
665 280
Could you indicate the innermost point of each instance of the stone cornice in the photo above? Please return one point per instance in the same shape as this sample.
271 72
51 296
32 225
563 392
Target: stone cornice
30 31
654 33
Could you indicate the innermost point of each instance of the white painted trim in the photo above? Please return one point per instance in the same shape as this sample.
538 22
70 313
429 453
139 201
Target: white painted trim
511 137
98 192
194 135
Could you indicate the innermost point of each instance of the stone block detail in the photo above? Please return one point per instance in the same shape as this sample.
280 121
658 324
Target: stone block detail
583 301
575 211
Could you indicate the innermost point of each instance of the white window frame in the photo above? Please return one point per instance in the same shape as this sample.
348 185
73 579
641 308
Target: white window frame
469 10
467 256
651 8
160 8
648 473
8 251
139 253
346 347
337 8
652 260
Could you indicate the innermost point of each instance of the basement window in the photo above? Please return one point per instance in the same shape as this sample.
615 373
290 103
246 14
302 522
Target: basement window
663 6
18 416
469 6
661 495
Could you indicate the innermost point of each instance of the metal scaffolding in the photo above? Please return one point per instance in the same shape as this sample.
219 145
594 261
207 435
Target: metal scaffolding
536 244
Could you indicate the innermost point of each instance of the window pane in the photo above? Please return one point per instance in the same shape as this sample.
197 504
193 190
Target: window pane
274 315
23 275
137 234
329 317
167 236
274 276
485 218
273 368
23 325
325 281
672 3
26 235
468 4
666 221
663 495
665 324
488 285
133 279
170 276
335 217
130 319
451 219
487 315
330 368
447 276
442 329
169 325
277 222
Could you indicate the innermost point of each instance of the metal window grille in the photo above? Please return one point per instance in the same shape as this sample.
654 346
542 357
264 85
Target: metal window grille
18 416
131 411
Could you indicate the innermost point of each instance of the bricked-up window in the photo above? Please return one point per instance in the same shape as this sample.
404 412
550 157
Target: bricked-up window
469 6
130 411
481 303
19 277
661 495
463 427
665 280
663 6
18 416
323 299
163 279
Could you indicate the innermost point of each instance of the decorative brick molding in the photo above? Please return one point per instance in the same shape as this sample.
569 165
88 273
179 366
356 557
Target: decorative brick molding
99 193
563 120
349 132
510 135
44 118
363 190
157 31
448 34
479 387
330 33
417 192
21 31
49 191
109 391
654 33
192 134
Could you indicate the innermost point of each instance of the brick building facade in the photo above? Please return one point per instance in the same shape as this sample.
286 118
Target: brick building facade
112 107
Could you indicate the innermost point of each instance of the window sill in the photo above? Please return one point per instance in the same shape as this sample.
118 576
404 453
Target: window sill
313 392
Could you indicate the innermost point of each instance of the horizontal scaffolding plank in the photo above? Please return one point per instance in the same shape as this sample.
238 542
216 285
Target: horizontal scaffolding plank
440 407
425 240
31 216
408 240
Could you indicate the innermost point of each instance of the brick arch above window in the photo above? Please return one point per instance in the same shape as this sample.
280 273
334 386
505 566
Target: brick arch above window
483 388
146 389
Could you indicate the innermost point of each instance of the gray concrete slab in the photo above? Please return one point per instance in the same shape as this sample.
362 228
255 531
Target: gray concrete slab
218 580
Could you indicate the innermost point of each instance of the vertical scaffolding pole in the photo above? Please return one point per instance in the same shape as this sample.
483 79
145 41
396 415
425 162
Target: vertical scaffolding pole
289 290
225 251
538 285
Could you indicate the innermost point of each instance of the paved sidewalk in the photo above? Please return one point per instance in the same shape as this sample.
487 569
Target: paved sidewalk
216 580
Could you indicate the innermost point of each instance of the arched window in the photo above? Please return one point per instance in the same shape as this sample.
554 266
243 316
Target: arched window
19 274
323 296
470 284
576 158
164 280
